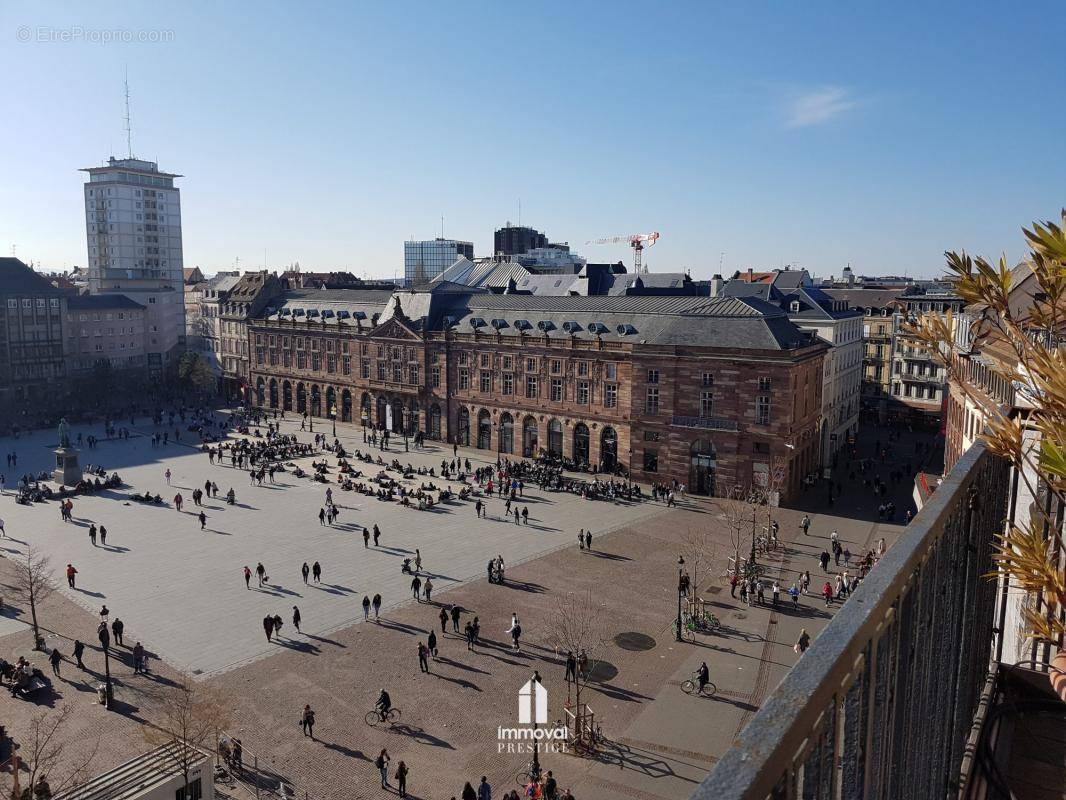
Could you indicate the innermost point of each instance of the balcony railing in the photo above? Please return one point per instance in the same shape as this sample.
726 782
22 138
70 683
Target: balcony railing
710 423
883 702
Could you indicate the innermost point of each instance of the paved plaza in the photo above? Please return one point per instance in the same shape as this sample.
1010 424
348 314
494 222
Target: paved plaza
180 591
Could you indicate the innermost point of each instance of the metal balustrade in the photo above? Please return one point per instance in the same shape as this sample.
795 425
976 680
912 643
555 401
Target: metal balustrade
880 707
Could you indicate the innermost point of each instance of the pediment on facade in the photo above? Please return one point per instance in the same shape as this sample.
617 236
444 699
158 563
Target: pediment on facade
393 329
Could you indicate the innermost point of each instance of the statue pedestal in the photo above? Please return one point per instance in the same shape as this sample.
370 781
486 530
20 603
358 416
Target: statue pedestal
67 471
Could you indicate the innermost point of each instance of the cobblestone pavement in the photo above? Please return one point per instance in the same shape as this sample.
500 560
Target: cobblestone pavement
662 741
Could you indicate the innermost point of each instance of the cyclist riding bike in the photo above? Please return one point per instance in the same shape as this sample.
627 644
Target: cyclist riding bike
703 675
383 704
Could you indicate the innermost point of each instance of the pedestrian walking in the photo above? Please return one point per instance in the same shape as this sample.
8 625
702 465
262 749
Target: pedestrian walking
307 722
268 626
366 607
247 577
427 590
305 571
321 516
588 540
260 571
416 586
377 535
803 642
418 560
382 763
103 535
431 642
117 627
443 620
377 606
423 662
824 559
167 476
296 618
203 520
3 532
316 572
571 666
54 659
140 659
177 501
581 538
366 538
79 650
805 524
71 572
468 792
92 534
455 618
401 779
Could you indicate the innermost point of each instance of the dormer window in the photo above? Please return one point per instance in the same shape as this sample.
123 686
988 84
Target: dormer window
794 306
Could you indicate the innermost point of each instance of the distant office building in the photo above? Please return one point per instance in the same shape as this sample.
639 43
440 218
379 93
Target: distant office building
133 228
103 329
425 260
31 338
514 240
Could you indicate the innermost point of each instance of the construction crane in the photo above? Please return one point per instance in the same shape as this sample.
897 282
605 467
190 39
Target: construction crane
638 241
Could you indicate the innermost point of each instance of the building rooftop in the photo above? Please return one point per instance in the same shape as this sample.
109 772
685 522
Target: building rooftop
18 278
138 775
99 302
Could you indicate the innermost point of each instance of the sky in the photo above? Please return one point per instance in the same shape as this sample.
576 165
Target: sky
747 134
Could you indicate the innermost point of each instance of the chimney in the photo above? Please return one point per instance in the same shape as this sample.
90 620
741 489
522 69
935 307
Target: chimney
750 275
716 285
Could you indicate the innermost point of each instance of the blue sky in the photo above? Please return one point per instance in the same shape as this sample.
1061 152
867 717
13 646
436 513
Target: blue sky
808 133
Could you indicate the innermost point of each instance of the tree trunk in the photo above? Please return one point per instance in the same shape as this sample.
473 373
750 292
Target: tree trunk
33 615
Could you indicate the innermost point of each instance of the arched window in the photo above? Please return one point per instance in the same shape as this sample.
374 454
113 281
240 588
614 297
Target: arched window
301 398
581 443
316 401
331 402
506 433
382 413
273 392
286 396
346 406
608 450
260 392
530 443
413 421
397 415
434 422
484 430
555 439
462 433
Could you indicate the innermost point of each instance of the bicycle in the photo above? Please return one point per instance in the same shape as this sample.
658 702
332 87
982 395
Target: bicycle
709 623
690 687
373 718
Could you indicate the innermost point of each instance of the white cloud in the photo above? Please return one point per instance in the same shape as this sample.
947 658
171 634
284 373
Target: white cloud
818 106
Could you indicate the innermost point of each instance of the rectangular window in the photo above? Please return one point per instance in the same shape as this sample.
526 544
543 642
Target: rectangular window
508 362
486 379
413 372
531 385
653 376
707 379
364 368
346 364
610 395
531 365
484 359
556 366
583 388
611 371
397 372
764 384
331 362
462 357
651 436
464 378
651 401
381 370
316 361
508 383
434 377
329 345
582 368
301 359
762 410
557 390
651 460
706 405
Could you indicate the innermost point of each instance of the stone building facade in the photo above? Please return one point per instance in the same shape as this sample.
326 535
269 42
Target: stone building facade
715 394
31 335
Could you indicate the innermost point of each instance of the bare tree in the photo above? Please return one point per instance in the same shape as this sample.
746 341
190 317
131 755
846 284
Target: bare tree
699 551
34 582
191 716
578 625
52 765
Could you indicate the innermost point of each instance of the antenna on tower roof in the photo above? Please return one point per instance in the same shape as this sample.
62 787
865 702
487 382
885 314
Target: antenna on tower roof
129 129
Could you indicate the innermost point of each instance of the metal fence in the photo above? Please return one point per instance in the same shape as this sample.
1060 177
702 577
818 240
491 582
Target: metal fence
881 705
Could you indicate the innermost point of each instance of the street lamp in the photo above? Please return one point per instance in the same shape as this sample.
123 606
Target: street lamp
406 421
333 416
105 642
362 418
680 569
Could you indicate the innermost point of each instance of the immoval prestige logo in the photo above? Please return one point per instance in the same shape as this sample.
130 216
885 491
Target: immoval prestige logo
532 713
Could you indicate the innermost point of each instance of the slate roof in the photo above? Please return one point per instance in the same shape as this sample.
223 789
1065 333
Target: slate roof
18 278
725 322
864 298
100 302
788 287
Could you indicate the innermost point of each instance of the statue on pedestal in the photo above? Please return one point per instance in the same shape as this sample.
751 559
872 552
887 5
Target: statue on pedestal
64 433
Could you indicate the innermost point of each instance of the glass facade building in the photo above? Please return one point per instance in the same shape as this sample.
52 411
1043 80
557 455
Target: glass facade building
425 260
